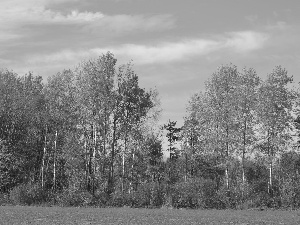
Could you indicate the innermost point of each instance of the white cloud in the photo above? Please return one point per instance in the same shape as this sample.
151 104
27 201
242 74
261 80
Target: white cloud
164 52
245 41
121 23
278 26
66 57
15 14
237 42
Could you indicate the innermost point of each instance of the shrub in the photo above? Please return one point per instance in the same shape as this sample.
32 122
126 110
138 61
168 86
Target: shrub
290 193
194 193
73 198
4 199
100 199
17 195
28 194
185 195
209 197
117 199
237 197
141 197
147 195
157 194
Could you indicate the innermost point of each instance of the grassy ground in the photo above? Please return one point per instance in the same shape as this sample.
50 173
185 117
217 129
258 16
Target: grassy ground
82 216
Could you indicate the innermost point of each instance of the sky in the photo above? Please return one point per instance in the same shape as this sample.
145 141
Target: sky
174 45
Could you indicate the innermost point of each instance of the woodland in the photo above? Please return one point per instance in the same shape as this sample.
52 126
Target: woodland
91 137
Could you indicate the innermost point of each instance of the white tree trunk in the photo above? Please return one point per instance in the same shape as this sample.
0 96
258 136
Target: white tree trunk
54 163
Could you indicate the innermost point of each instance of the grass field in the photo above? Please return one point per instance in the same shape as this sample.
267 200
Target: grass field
57 215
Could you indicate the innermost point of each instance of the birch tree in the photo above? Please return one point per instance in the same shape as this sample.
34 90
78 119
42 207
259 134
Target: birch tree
247 100
274 116
62 118
95 82
222 94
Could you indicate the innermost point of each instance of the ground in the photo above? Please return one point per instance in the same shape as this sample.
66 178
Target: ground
56 215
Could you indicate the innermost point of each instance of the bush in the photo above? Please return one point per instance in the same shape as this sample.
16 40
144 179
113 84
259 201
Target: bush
209 196
194 193
4 199
147 195
100 199
157 194
290 193
186 195
28 194
141 197
117 199
234 198
73 198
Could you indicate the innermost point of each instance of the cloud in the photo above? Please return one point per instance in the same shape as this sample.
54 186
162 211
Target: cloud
278 26
236 42
245 41
62 57
165 52
15 14
119 23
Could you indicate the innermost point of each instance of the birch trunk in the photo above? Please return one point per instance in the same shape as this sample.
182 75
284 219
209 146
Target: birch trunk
86 163
54 163
243 158
227 155
111 174
94 158
43 160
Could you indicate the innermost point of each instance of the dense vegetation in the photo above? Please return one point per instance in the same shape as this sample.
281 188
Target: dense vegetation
89 136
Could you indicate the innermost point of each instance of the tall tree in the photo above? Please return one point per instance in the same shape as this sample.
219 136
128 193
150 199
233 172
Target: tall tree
21 107
246 112
96 98
61 119
196 136
222 94
173 134
274 116
173 137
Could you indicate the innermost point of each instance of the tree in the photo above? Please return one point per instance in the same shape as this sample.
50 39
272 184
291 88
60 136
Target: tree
296 111
274 116
134 106
21 110
154 148
112 109
222 94
96 98
62 118
173 137
200 131
246 112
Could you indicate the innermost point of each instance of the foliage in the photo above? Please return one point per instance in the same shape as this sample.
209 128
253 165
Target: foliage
71 197
4 199
29 194
172 137
89 136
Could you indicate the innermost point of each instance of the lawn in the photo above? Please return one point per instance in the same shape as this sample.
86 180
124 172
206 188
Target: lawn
57 215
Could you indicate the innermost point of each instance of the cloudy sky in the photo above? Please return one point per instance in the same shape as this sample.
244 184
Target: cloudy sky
175 45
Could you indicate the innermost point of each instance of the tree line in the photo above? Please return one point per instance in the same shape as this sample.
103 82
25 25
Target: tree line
85 129
90 136
239 120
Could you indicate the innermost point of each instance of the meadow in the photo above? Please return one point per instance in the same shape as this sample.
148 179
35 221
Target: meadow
59 215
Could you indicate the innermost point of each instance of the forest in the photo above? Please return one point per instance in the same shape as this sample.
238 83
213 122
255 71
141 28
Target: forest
90 137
